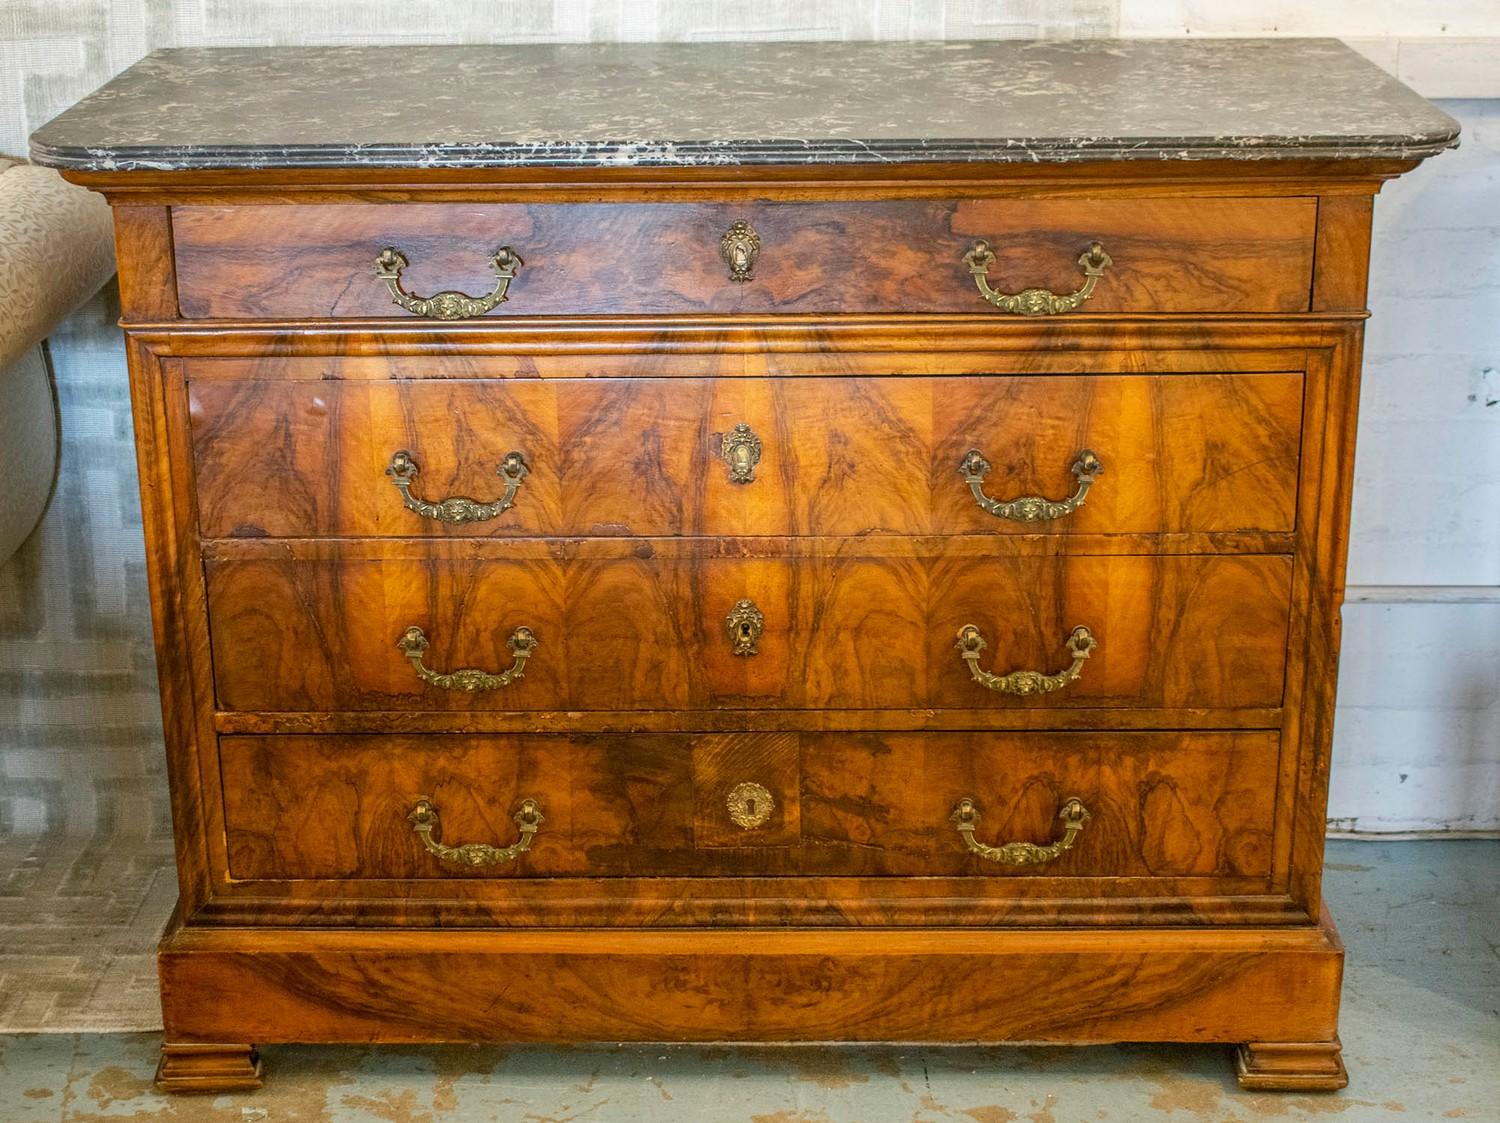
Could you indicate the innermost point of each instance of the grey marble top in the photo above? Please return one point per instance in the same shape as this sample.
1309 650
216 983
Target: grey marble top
675 105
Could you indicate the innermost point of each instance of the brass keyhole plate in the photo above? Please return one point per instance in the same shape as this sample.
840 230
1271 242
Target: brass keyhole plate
740 449
739 248
745 625
750 805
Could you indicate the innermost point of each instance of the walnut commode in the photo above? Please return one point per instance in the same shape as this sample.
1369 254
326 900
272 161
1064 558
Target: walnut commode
788 599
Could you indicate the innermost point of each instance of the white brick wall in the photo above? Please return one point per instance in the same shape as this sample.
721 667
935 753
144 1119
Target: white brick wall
1442 48
1419 713
1417 738
1341 19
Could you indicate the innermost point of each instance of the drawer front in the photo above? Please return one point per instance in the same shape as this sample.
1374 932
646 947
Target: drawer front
816 456
634 631
1154 804
1165 255
1149 805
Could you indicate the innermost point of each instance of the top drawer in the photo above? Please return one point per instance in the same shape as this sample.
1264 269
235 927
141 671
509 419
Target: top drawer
1163 255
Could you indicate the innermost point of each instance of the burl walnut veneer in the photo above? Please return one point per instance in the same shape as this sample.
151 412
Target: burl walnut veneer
778 542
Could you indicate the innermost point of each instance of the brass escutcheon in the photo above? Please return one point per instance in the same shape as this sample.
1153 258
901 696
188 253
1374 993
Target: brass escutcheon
740 449
739 248
750 805
745 624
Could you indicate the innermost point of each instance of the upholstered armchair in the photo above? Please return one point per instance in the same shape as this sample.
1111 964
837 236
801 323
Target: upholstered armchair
56 250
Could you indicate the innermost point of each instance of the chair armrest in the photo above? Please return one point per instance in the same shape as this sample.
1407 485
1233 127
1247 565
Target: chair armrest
58 249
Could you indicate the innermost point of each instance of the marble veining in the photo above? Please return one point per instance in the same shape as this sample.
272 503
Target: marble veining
687 104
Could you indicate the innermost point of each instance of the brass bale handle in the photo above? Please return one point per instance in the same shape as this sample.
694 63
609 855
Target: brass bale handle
1037 302
413 643
458 509
390 263
1081 643
1030 508
424 820
1073 815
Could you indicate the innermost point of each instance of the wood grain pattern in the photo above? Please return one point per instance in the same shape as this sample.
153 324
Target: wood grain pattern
337 808
641 456
741 346
1342 259
1321 564
179 623
1162 805
692 550
848 632
1206 255
738 720
146 264
1103 985
722 763
748 901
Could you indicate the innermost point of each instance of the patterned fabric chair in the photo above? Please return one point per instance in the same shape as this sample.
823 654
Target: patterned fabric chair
56 250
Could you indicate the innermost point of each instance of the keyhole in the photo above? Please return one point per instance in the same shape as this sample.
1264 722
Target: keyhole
750 805
744 631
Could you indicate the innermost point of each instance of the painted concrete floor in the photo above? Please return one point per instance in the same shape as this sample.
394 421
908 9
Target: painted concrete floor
1421 1031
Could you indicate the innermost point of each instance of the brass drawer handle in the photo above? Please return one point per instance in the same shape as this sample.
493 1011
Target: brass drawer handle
1030 508
458 509
413 643
1073 815
424 819
1037 302
446 305
1081 643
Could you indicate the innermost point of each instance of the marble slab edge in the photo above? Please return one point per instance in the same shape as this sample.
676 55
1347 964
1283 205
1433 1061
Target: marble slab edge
669 154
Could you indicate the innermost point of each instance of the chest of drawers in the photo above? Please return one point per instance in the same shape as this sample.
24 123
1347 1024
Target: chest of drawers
880 585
